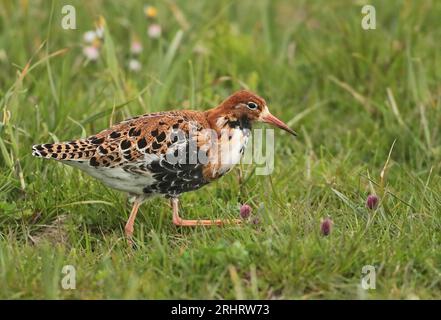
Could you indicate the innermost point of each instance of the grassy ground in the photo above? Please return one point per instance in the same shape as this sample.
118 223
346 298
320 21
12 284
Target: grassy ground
350 93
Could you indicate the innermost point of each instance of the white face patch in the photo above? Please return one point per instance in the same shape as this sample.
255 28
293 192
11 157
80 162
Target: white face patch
265 112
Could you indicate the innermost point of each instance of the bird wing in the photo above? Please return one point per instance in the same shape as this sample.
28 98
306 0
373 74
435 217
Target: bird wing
125 142
157 144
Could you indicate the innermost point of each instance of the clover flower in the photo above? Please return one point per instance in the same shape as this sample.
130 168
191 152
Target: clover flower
135 65
89 36
372 202
326 226
91 52
136 47
154 31
245 211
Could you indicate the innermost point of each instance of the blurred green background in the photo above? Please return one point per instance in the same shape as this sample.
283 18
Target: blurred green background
350 93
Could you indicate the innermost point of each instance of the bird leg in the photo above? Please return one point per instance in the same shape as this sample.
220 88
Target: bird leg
177 220
129 225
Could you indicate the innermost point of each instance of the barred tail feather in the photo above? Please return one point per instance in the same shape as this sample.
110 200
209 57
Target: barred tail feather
73 151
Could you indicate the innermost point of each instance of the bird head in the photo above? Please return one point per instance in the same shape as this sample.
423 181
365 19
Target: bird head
246 106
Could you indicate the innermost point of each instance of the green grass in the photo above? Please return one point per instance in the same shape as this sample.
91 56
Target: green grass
349 93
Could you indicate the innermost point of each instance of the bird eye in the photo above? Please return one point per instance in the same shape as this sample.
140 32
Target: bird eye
252 105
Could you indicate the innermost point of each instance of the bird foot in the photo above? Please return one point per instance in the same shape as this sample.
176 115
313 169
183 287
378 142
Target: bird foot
192 223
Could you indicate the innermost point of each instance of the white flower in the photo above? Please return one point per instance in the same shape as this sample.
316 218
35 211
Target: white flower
91 53
136 47
134 65
99 32
154 31
89 36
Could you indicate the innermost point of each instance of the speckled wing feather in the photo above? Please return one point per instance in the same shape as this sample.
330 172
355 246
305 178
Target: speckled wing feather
131 155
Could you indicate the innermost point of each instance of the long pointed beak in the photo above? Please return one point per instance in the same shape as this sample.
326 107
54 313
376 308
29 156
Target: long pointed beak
269 118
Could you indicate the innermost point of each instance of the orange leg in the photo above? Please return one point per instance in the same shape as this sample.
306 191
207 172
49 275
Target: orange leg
129 225
177 220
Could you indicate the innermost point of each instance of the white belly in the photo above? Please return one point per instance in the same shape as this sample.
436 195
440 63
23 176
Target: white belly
117 178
